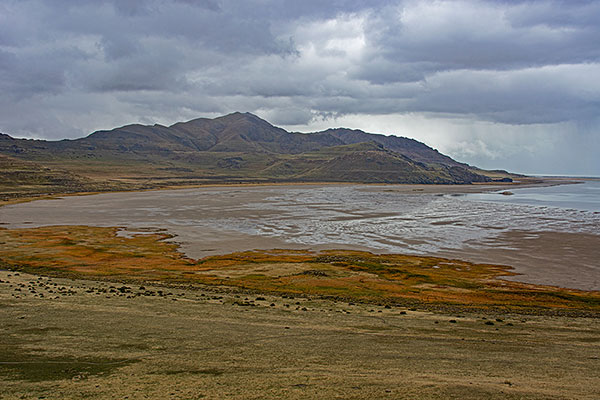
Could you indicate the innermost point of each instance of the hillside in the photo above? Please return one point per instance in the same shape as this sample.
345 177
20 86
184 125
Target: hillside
26 178
240 147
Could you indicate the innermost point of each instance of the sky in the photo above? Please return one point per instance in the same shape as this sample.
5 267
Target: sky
499 84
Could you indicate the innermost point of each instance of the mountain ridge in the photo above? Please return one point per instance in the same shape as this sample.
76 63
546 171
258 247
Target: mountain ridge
312 140
242 147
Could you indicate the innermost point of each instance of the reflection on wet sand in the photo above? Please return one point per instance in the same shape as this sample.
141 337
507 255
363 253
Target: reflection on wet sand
399 219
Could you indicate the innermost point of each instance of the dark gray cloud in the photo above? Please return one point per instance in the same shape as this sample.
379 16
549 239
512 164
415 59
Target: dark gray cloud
482 35
69 67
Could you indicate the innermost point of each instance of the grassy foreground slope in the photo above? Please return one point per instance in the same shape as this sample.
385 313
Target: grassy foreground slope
85 339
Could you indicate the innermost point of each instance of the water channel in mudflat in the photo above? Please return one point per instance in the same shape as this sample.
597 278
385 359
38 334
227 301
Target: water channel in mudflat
545 240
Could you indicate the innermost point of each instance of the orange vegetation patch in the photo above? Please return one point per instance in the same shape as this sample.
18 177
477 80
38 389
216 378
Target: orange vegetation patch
90 251
100 252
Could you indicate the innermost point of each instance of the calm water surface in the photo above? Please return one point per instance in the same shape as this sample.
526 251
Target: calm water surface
582 196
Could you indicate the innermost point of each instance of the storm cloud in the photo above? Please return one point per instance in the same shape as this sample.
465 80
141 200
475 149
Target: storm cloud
506 84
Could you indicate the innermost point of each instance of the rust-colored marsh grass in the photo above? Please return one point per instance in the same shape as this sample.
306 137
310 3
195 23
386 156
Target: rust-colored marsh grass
99 252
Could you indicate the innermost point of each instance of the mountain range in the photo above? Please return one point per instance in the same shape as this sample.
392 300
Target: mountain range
234 148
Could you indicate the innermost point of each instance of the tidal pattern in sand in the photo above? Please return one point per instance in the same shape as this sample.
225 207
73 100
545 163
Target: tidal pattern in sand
217 220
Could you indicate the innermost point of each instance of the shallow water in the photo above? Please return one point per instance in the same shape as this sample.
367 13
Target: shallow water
210 221
583 196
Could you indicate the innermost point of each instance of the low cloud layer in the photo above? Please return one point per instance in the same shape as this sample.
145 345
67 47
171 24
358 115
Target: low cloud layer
512 85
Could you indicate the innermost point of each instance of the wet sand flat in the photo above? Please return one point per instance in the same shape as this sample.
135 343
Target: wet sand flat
98 340
556 258
546 246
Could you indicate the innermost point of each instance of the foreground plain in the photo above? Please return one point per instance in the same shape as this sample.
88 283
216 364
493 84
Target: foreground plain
65 338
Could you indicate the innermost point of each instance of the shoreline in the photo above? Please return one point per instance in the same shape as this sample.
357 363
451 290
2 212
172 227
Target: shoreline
96 254
514 249
520 262
403 187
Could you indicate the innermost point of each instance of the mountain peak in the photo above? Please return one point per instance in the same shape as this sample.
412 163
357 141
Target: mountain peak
231 118
246 116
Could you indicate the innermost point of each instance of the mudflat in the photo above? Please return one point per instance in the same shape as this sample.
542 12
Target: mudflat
544 245
566 259
65 338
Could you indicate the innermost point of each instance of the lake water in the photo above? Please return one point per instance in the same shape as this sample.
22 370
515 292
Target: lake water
582 196
491 227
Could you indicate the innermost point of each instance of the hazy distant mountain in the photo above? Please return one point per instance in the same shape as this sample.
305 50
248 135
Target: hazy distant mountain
241 147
